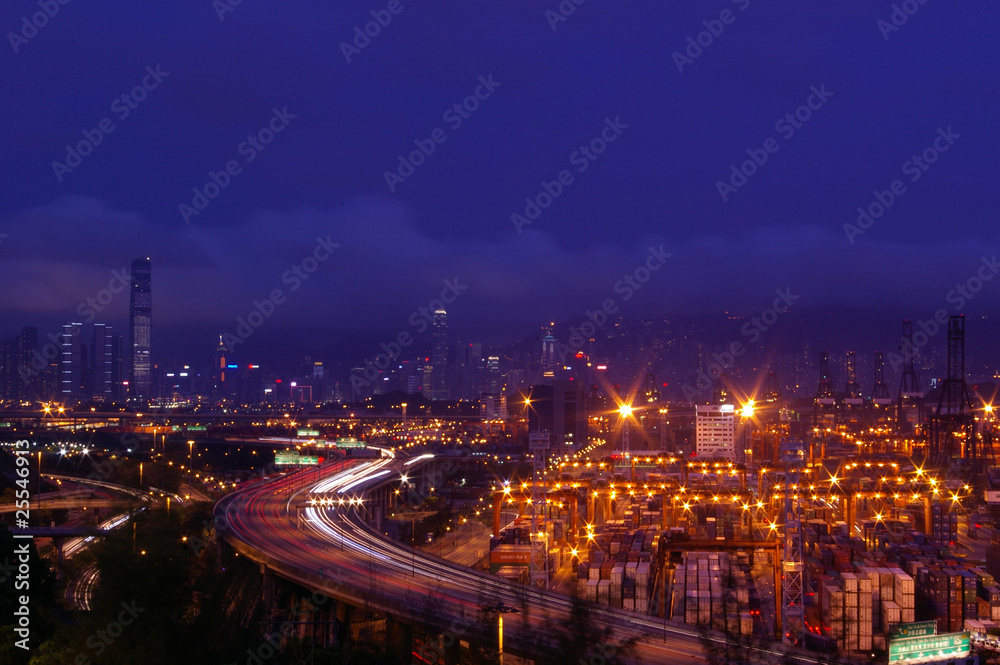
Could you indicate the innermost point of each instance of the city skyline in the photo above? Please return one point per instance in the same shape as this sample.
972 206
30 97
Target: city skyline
479 332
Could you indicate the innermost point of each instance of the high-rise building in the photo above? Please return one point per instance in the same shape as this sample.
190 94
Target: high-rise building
439 357
549 361
467 374
219 367
560 409
101 363
26 345
118 375
715 430
427 380
17 381
493 383
140 325
9 388
71 364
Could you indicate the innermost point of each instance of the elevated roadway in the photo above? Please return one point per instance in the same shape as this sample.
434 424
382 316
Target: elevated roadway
331 548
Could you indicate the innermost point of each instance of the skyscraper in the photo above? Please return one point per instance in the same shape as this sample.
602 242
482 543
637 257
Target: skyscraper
559 408
101 361
439 357
118 375
549 361
16 380
71 364
493 375
219 370
140 324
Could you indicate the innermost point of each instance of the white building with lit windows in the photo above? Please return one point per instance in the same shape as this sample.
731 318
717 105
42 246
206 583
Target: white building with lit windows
715 431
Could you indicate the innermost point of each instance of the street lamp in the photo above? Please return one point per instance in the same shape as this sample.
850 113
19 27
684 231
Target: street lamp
747 414
626 410
190 455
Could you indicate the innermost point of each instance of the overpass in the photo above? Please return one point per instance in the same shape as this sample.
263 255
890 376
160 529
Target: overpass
69 504
332 549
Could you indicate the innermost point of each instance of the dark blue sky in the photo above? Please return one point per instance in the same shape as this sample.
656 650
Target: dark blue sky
656 184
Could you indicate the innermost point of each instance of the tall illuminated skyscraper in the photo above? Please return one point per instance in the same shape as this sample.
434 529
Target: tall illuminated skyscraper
101 360
439 357
118 370
140 324
71 364
219 370
549 361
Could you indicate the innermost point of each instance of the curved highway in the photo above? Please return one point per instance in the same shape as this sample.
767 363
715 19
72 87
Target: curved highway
327 545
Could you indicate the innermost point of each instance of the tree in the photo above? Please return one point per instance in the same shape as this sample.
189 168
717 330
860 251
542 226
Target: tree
581 639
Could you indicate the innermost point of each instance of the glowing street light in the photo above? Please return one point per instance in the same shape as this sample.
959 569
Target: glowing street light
190 452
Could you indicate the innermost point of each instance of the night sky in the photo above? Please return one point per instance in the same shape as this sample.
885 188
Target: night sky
880 95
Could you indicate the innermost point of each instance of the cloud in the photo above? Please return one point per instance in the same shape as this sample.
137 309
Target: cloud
206 277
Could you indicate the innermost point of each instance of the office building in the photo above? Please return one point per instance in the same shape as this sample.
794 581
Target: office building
493 379
560 409
715 431
101 362
549 361
140 327
219 367
118 374
18 380
439 357
72 369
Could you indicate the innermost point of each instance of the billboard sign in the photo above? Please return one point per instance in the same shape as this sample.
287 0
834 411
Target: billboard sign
918 629
929 648
289 459
538 441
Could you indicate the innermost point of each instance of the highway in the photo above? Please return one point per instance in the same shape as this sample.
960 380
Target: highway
80 590
336 551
